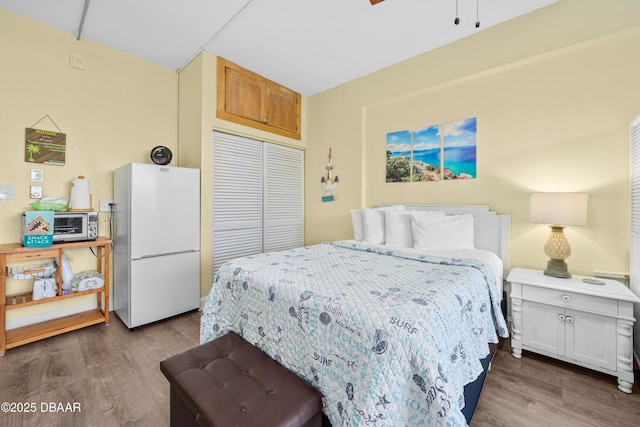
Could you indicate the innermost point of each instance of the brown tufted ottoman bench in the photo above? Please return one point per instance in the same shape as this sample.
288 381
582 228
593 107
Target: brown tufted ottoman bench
229 382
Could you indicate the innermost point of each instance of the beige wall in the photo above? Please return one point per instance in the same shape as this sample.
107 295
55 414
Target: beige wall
554 93
113 113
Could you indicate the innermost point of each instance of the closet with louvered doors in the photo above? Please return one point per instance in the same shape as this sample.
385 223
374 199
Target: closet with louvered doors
258 197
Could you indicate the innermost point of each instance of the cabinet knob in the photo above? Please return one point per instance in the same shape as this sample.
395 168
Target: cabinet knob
569 319
561 317
265 120
566 297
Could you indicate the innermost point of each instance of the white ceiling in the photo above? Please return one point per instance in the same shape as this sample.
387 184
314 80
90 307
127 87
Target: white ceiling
307 45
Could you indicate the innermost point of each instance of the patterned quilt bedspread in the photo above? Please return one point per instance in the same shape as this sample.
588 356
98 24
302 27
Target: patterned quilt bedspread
389 338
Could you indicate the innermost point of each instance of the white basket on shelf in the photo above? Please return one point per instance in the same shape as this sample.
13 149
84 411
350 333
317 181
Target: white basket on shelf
38 271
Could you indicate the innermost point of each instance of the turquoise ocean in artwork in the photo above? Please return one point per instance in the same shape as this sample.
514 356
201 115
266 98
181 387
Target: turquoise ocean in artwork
457 159
431 157
461 160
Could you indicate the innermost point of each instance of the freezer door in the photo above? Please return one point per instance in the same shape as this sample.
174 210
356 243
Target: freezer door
163 286
165 210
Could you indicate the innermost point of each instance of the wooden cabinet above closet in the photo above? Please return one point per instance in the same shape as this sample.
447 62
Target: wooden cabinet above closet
247 98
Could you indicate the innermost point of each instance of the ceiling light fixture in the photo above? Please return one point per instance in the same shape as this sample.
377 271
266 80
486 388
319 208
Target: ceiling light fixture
457 20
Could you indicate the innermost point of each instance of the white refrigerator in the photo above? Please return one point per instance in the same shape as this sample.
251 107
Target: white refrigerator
156 242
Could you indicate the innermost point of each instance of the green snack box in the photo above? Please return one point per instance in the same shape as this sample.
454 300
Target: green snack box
38 230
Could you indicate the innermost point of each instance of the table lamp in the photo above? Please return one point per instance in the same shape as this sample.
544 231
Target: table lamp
558 210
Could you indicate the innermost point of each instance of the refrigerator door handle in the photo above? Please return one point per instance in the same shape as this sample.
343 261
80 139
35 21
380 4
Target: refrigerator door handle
166 254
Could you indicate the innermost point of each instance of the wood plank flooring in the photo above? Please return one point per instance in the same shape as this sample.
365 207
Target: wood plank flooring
113 373
539 391
114 376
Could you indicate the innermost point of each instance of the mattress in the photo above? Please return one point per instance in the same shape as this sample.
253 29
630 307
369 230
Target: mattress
493 261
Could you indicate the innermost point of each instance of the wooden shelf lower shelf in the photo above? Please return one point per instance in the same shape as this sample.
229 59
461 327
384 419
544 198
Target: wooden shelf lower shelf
38 331
25 299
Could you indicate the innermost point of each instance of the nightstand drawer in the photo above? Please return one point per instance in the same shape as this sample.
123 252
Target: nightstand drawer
570 300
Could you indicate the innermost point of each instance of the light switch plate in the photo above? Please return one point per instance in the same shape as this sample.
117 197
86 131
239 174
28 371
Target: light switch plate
36 175
6 192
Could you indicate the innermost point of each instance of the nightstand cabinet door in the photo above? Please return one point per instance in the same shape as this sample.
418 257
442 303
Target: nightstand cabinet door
543 327
591 338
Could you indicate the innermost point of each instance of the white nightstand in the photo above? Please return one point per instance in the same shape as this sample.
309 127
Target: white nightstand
580 323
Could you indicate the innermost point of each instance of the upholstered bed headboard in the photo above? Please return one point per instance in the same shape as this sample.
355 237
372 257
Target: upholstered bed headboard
492 231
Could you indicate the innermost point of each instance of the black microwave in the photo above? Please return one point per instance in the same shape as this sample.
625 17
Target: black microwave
72 226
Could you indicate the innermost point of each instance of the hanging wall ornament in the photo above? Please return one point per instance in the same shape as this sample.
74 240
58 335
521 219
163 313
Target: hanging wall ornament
329 183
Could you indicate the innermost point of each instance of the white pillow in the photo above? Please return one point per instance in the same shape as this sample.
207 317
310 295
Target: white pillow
356 219
373 226
442 231
397 226
374 223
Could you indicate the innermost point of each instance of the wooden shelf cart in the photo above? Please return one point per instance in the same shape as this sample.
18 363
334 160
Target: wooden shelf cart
15 252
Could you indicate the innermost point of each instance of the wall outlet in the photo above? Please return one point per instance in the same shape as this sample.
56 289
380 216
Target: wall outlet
610 274
105 205
620 277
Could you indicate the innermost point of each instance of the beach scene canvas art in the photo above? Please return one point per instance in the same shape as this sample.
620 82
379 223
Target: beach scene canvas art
438 152
427 152
399 156
459 148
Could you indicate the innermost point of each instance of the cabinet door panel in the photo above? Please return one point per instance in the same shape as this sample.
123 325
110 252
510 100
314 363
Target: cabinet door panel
591 339
282 108
542 328
244 96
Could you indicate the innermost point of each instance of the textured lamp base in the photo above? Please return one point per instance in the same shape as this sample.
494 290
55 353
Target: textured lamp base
557 249
557 268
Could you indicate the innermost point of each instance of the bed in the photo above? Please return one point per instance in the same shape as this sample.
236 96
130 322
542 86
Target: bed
389 334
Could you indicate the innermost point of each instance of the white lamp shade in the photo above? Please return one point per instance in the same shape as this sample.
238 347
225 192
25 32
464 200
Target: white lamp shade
559 208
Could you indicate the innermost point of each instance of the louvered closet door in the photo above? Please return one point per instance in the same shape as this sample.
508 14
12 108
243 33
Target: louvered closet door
283 197
635 221
258 197
237 197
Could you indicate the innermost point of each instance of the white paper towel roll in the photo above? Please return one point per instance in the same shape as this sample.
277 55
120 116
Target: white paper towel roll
80 194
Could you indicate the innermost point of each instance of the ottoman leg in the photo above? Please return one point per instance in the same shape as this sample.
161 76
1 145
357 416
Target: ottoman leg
316 421
181 415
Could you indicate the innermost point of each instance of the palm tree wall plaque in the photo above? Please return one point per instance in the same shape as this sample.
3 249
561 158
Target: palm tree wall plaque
32 149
